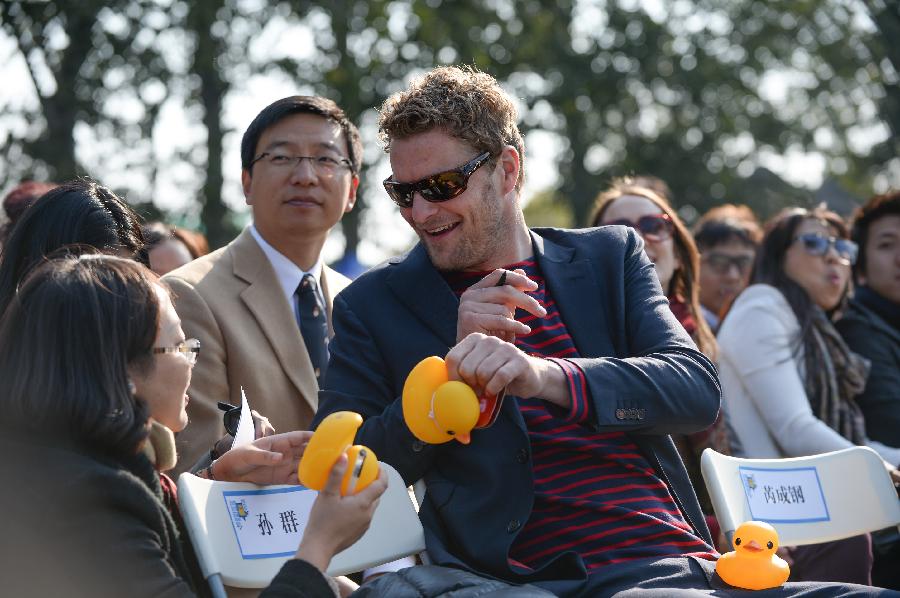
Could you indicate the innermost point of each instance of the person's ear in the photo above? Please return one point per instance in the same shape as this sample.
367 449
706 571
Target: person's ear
351 195
246 179
510 163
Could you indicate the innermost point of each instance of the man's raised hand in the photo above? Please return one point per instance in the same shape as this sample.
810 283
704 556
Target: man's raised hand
489 305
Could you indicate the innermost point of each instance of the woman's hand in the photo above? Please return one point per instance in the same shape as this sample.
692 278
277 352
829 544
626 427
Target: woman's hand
335 521
268 460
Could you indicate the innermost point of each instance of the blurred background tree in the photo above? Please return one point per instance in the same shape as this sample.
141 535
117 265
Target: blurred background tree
768 103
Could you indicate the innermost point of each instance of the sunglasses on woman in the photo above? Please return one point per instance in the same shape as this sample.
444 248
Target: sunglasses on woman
437 187
819 244
654 227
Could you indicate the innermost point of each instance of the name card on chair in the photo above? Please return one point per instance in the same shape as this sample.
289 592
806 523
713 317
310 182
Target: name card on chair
784 495
269 523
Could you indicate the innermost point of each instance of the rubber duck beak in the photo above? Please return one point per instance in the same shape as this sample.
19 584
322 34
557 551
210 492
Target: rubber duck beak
464 438
753 546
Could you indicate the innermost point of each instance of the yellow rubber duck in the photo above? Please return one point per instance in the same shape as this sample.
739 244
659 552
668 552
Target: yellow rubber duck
436 409
331 439
753 565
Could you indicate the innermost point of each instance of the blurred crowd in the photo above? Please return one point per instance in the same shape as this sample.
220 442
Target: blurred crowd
800 314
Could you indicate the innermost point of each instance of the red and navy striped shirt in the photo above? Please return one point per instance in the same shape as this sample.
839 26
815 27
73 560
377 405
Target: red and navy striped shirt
594 492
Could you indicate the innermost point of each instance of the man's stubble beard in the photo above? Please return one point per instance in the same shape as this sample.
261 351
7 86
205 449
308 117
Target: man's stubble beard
473 253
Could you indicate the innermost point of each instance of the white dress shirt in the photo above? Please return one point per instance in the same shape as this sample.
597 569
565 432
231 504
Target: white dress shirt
288 273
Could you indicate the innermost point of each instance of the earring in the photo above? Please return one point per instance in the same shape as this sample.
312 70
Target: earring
131 387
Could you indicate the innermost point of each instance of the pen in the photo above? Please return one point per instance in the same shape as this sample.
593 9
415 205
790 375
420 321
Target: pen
502 280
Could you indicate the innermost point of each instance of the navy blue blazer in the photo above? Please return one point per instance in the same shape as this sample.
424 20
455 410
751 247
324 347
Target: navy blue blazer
645 376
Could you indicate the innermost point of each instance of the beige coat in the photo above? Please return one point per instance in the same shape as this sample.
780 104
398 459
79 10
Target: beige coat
231 300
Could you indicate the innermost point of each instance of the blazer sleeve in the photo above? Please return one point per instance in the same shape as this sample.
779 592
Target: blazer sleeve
759 345
209 379
357 380
663 384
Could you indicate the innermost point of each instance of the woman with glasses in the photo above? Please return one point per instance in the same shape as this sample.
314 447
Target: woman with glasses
94 366
789 381
671 249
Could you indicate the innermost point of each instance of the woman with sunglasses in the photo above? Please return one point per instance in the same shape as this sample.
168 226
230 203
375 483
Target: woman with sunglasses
95 368
671 248
789 381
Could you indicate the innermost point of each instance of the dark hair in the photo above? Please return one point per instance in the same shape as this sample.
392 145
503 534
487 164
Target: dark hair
684 279
727 223
66 342
877 207
768 268
20 199
79 212
277 111
157 232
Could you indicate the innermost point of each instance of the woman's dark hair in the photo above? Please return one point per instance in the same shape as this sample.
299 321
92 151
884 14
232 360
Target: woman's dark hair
79 212
725 224
684 279
156 233
66 341
780 233
877 207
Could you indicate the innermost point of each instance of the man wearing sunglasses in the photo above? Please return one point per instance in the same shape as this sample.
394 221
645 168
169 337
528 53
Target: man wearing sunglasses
261 306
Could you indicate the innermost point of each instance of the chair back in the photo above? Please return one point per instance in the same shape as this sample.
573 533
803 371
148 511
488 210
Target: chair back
809 500
395 530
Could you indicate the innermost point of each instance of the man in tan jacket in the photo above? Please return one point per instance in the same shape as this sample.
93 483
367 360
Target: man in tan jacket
300 160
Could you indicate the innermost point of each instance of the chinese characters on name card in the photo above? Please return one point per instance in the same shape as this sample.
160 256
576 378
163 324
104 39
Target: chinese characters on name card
784 495
269 523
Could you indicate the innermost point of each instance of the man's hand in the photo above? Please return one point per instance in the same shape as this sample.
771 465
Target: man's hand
335 521
268 460
489 305
489 364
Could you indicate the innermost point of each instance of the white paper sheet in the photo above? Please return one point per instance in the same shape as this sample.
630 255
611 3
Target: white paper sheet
245 432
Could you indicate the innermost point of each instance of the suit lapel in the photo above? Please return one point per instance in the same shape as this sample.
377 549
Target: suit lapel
419 286
574 287
264 298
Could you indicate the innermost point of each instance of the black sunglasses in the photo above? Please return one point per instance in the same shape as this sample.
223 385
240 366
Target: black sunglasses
656 227
437 187
231 418
819 244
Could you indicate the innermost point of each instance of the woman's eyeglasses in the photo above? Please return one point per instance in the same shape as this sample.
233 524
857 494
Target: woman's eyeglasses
437 187
721 263
653 227
819 244
190 348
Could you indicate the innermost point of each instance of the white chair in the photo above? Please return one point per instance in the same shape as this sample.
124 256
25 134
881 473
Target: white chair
856 494
395 532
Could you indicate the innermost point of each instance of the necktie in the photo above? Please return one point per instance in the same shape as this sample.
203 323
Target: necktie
313 324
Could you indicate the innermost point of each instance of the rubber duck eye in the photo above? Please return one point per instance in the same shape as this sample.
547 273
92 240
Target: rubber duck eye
770 545
737 541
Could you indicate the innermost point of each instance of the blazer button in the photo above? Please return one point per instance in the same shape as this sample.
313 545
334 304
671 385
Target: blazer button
620 414
417 446
522 455
513 526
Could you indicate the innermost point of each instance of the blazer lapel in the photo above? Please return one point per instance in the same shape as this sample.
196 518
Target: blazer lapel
575 289
264 298
419 286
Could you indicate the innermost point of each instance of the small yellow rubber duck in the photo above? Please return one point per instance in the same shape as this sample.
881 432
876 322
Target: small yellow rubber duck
333 437
436 409
753 565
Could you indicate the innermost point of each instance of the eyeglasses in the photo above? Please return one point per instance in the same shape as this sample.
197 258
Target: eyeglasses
653 227
231 418
323 165
819 244
721 263
437 187
190 348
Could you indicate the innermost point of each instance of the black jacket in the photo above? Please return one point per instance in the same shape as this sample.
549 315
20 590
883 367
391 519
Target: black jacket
636 357
872 337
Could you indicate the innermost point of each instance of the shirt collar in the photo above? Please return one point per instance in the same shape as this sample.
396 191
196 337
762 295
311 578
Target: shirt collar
287 272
